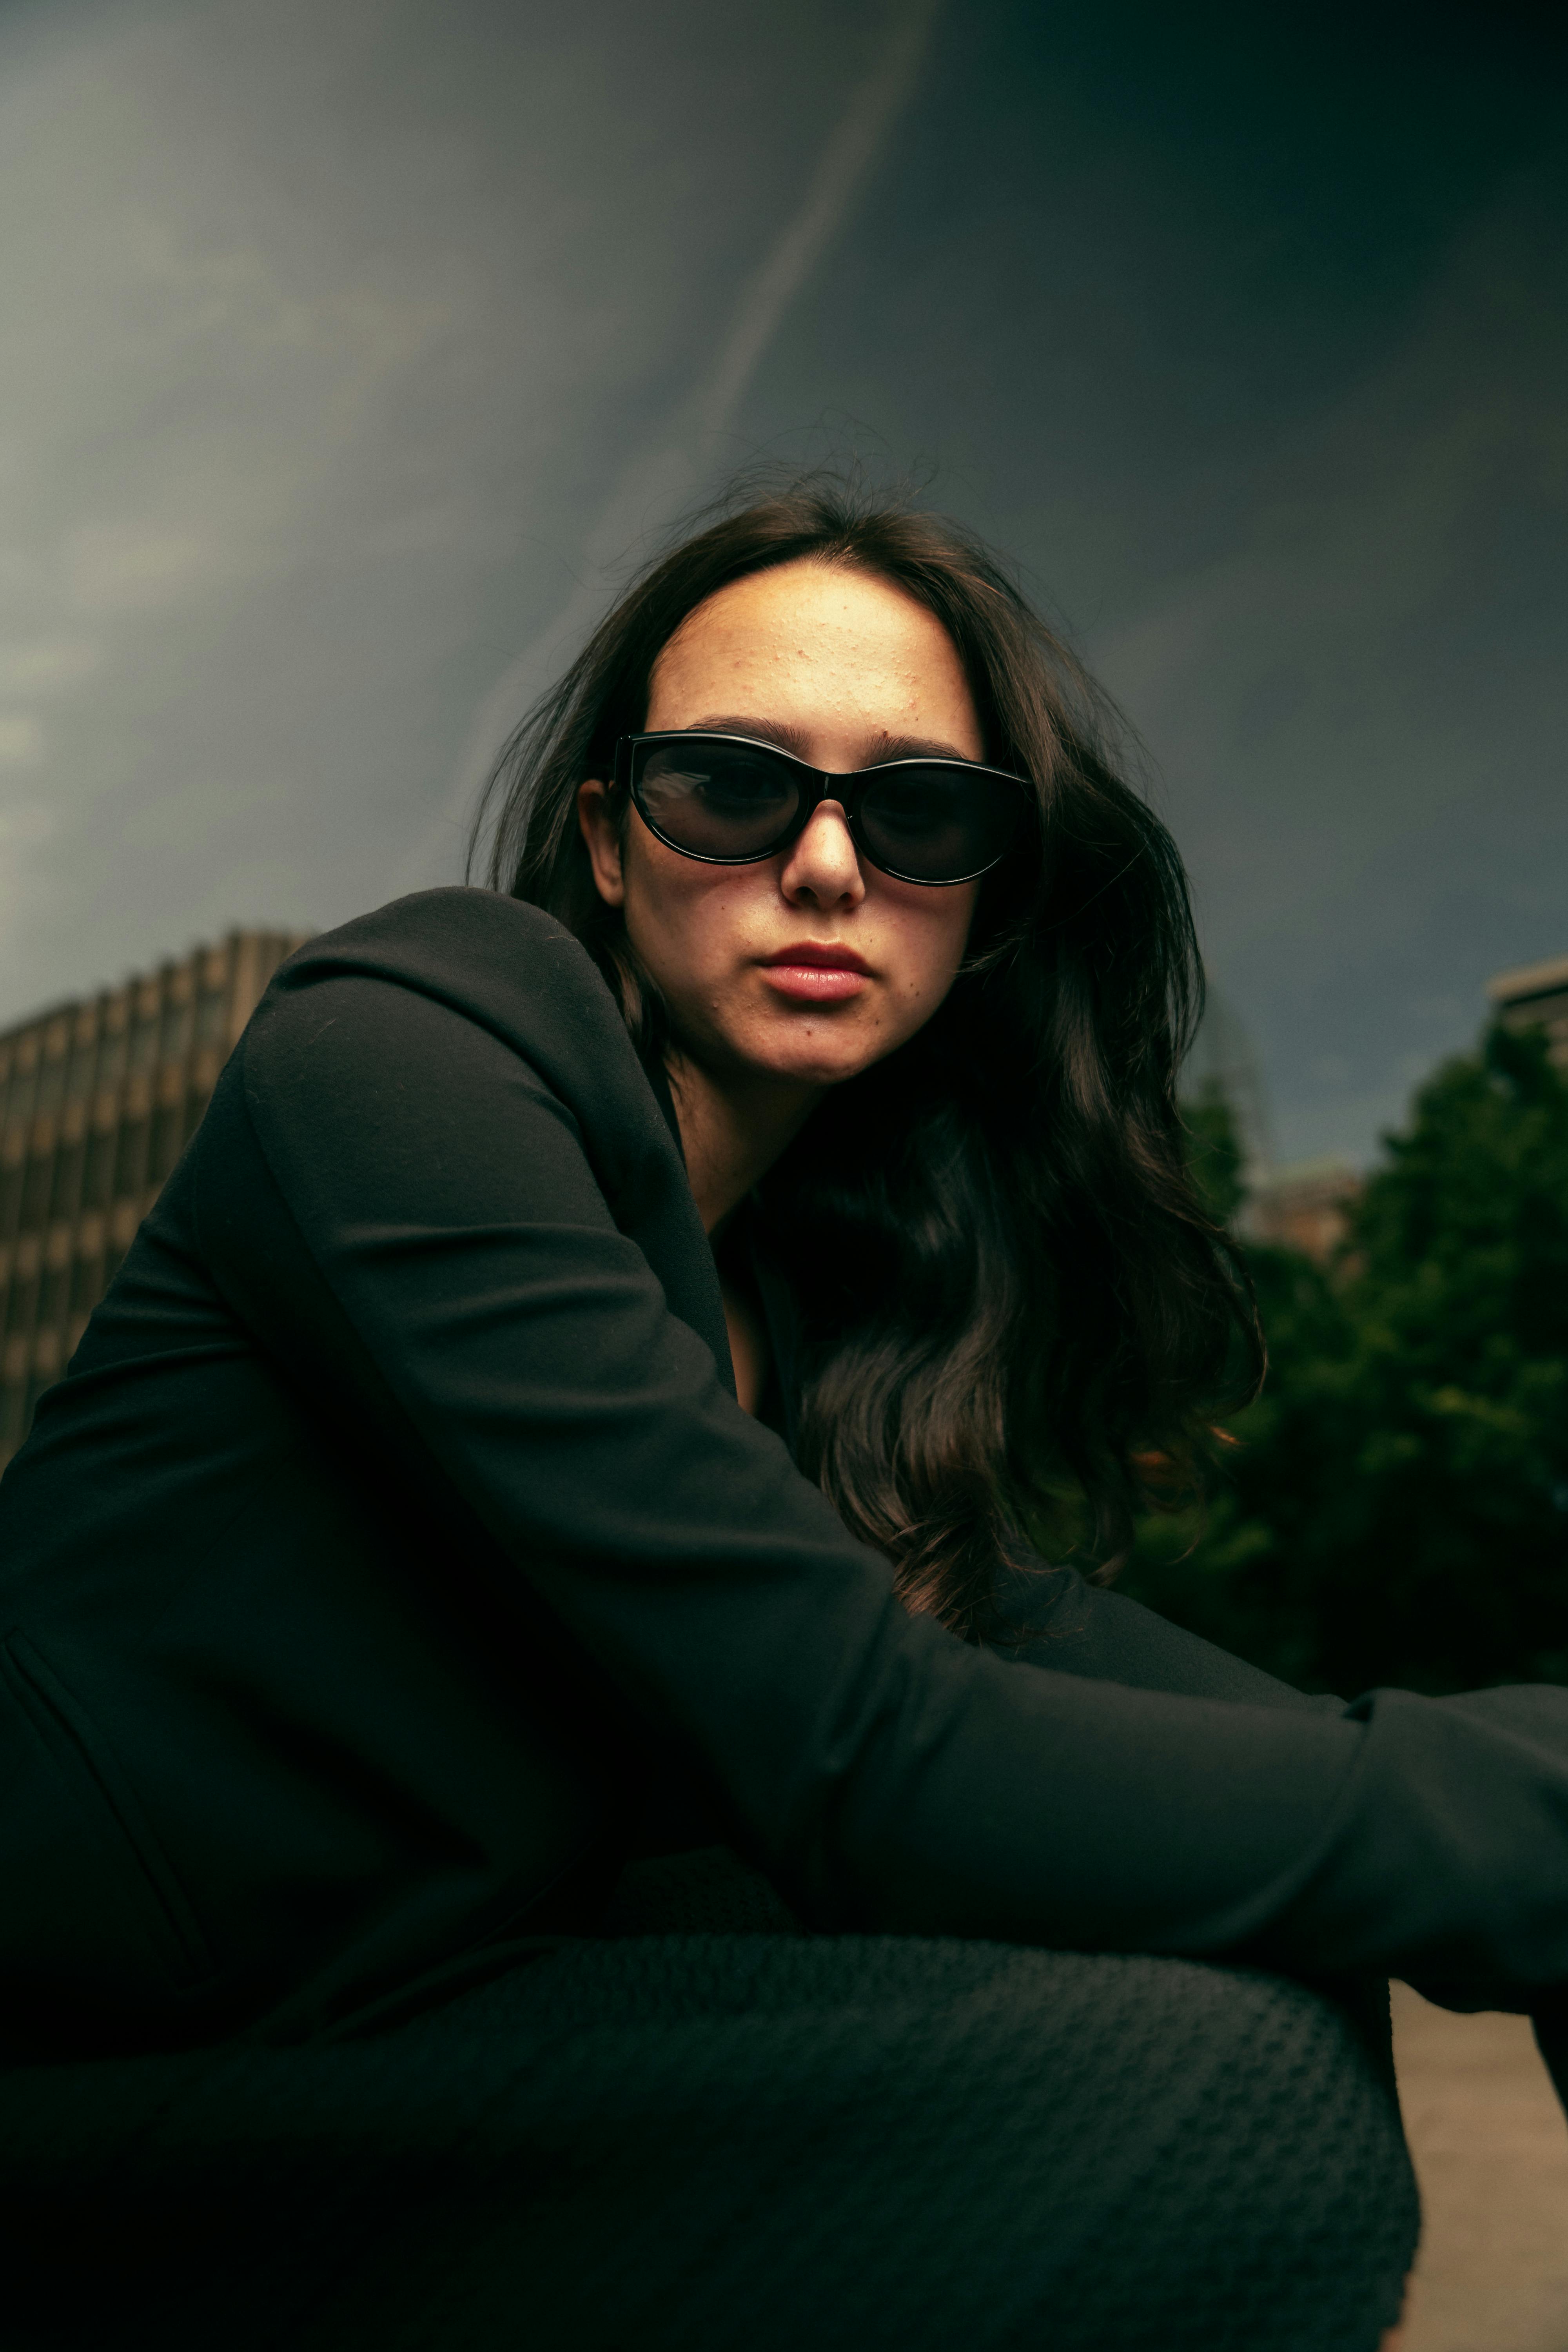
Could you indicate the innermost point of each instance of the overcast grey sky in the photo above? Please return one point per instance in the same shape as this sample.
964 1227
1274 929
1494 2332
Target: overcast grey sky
352 352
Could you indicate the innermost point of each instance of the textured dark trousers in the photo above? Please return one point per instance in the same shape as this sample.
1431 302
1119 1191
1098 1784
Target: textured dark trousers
732 2143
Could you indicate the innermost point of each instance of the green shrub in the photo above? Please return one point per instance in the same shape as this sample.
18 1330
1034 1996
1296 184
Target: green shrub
1395 1508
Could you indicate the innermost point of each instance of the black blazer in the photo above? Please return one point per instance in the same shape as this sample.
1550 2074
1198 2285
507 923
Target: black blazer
396 1532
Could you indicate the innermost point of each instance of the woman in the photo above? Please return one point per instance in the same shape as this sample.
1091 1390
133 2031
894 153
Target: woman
418 1632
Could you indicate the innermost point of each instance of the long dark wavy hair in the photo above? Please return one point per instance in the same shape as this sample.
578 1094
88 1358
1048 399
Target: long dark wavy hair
1019 1324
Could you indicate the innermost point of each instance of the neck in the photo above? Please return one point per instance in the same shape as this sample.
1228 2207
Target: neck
733 1129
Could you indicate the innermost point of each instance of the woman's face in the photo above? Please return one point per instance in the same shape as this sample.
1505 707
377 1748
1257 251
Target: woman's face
843 670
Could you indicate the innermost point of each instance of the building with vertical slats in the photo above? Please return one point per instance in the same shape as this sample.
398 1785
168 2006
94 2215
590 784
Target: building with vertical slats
1536 997
98 1100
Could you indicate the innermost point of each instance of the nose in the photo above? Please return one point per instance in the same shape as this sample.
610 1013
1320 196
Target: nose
822 868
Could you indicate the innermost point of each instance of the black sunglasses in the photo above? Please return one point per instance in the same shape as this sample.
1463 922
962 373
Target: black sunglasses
731 802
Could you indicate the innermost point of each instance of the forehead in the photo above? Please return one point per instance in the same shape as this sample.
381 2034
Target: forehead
807 639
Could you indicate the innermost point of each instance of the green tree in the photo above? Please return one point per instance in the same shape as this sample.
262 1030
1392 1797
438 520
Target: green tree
1395 1507
1214 1152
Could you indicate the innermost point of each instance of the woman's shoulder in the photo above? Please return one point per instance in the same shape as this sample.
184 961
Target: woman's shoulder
507 967
497 957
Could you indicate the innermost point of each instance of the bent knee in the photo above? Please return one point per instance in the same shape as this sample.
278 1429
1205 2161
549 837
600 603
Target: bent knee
1218 2147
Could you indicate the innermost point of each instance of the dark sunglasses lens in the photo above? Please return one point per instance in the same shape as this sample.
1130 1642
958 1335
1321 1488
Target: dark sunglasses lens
938 825
717 799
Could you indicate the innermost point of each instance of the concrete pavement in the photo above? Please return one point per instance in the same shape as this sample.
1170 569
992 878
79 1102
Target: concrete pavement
1490 2149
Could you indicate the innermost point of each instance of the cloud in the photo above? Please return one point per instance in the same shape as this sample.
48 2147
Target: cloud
1309 667
47 665
1358 704
21 740
24 824
131 568
26 827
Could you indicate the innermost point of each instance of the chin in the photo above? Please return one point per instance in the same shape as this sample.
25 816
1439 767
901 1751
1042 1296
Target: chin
820 1062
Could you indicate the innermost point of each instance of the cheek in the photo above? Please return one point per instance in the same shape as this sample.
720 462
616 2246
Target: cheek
685 920
933 933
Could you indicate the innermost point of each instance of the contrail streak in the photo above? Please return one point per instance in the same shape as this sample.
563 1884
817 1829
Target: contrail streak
653 482
845 161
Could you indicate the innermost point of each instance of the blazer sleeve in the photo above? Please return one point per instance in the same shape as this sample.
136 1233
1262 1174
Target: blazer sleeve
1052 1617
408 1216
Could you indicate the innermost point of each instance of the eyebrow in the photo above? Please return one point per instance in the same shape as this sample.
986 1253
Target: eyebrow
793 740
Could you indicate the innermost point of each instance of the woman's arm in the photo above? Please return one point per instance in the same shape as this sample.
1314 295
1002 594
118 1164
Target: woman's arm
415 1216
1051 1617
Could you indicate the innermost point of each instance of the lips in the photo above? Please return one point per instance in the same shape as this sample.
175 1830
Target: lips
815 974
810 958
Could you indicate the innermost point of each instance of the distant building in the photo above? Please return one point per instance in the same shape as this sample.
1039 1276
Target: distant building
1536 996
1305 1207
98 1100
